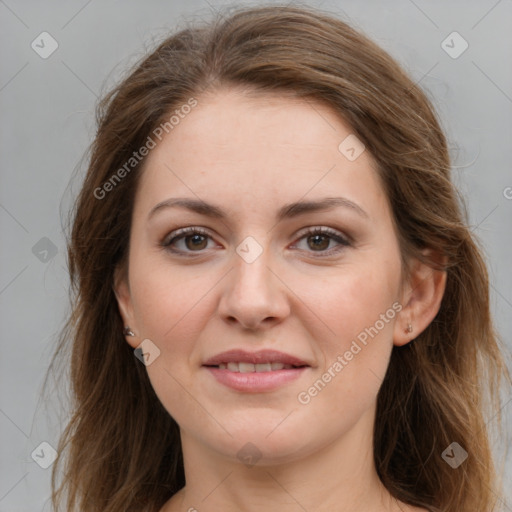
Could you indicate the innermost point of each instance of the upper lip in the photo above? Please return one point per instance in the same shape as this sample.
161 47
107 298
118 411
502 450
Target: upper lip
261 356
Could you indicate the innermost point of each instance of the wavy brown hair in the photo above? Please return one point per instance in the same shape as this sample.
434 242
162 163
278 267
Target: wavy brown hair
120 451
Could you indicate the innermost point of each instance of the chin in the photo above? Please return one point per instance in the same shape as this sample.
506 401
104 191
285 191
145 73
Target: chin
266 443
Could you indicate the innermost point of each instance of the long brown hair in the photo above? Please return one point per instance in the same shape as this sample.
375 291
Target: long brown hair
121 450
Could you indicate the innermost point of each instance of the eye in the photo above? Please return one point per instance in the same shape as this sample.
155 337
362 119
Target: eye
186 240
321 240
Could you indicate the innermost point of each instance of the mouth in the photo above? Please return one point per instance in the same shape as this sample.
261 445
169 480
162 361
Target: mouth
255 372
244 367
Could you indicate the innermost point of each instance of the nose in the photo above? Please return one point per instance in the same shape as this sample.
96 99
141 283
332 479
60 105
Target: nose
254 297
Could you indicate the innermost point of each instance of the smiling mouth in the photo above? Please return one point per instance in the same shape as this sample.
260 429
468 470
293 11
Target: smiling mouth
257 372
242 367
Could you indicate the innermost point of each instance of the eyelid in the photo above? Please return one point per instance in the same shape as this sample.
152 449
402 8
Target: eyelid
181 232
323 230
340 238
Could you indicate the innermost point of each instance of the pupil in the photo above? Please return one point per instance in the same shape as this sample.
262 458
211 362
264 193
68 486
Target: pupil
324 242
196 243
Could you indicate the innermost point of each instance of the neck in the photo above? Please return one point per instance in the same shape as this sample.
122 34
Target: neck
341 477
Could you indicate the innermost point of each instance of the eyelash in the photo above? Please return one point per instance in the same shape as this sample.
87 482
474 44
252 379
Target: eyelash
182 233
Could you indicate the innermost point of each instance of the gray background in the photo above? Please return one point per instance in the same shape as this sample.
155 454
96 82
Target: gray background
47 123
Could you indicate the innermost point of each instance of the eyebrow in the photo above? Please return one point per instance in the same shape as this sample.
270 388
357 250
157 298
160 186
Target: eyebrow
286 212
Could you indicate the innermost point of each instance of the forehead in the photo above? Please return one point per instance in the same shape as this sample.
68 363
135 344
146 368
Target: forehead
235 121
254 148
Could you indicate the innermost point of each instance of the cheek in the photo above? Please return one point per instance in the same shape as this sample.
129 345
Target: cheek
172 308
359 306
351 302
171 304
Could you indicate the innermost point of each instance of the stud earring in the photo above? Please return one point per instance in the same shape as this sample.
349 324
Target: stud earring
128 332
409 328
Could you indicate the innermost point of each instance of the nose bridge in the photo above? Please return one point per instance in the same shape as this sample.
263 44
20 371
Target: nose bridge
252 276
254 294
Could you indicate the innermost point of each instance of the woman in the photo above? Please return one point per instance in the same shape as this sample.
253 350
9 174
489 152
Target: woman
268 224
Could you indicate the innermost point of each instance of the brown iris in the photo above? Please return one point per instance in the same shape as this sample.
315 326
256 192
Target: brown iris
321 242
196 242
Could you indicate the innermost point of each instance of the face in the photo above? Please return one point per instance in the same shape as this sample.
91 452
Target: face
256 240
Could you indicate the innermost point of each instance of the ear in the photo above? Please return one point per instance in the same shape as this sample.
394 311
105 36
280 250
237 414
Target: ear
421 299
124 303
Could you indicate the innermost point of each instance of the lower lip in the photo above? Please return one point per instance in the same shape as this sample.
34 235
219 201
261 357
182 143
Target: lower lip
255 382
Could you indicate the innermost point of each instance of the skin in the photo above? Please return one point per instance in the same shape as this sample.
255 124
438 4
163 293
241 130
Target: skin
250 155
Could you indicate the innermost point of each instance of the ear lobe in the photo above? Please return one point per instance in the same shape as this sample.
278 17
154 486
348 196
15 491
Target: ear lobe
422 298
124 303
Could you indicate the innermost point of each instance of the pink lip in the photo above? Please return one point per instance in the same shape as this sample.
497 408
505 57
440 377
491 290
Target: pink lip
255 382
